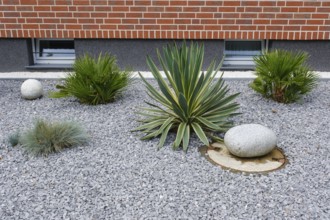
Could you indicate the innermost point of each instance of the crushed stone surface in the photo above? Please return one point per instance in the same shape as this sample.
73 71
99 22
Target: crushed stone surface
118 176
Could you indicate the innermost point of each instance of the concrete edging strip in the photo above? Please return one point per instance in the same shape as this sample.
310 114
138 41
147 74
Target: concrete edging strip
60 75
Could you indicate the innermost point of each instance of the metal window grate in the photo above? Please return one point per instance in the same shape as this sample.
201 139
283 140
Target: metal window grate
239 54
52 51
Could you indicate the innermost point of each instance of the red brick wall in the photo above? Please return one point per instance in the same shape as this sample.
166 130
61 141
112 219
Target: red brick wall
154 19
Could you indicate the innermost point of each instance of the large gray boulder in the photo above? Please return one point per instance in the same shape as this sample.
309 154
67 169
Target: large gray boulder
31 89
250 140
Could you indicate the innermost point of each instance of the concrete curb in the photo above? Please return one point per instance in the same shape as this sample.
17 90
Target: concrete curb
239 75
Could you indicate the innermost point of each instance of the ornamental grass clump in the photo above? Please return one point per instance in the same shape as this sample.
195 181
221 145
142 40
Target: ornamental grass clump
13 139
50 137
191 100
94 81
283 76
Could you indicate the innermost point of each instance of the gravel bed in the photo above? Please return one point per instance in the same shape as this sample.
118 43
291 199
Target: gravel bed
118 176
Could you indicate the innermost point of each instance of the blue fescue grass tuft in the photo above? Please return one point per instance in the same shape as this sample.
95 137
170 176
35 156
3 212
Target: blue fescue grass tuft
50 137
13 139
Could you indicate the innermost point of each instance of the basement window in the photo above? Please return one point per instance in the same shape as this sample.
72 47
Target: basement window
53 52
243 48
239 54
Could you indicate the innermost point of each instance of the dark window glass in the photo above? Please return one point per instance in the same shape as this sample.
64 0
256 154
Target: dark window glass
244 48
243 45
56 48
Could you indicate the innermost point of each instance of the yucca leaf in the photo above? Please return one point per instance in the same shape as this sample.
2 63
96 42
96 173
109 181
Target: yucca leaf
177 76
193 98
167 73
223 110
200 133
155 94
162 84
159 131
158 109
186 137
216 138
220 117
167 92
151 125
150 115
163 136
208 123
205 84
217 106
154 71
178 111
184 105
179 135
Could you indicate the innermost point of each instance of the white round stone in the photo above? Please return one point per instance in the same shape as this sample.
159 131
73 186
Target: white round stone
250 140
31 89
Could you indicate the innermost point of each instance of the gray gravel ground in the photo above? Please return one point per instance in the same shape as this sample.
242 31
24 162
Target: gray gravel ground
117 176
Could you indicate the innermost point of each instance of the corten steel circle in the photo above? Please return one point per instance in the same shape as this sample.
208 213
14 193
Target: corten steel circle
218 154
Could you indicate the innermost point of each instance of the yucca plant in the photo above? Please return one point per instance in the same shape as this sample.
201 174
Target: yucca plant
94 81
50 137
283 76
191 101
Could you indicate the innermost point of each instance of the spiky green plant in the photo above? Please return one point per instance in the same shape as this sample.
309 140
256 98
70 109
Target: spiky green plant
191 101
283 76
94 81
49 137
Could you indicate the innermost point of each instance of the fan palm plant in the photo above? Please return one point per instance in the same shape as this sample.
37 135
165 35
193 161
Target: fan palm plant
191 100
94 81
283 76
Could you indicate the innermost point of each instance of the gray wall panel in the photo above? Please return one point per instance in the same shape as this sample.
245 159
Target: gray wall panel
14 54
319 51
133 53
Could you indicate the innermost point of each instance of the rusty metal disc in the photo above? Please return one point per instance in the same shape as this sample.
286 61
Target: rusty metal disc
218 154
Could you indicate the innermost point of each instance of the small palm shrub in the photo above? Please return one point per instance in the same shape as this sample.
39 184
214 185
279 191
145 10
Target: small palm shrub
94 81
191 100
45 137
283 76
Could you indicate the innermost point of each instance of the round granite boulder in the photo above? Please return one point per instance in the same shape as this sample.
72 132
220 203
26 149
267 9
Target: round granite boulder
250 140
31 89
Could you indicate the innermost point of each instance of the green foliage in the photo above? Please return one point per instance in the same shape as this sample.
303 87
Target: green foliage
191 101
14 139
283 76
94 81
46 138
